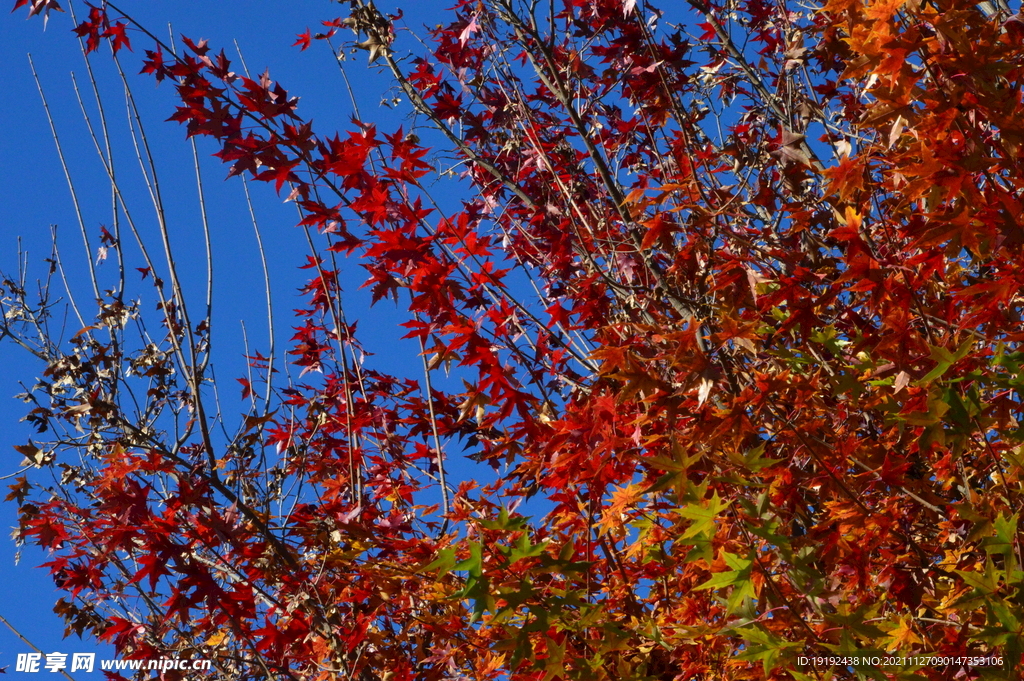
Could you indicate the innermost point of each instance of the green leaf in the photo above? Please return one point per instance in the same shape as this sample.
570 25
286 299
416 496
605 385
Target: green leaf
855 621
554 664
1006 533
985 584
514 598
1011 361
477 586
703 516
505 522
764 646
738 578
1005 616
524 549
474 563
829 337
678 464
769 531
444 563
944 359
753 459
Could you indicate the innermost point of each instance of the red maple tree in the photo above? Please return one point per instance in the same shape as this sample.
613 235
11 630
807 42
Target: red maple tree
734 301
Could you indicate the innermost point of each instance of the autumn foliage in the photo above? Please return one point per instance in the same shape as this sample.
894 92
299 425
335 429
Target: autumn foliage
728 316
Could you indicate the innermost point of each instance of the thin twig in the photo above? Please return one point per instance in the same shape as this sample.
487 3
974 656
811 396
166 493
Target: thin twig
30 644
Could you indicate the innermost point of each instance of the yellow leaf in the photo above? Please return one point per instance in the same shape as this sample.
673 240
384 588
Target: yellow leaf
902 636
492 665
852 218
216 639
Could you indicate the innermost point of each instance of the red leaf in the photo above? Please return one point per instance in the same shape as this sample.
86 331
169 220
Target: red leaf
658 228
280 174
154 63
304 39
200 48
246 388
117 32
90 29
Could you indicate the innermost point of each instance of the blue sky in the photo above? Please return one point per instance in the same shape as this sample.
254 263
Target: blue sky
34 196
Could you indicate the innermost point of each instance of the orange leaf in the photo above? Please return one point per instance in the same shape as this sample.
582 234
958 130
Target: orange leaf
659 227
845 178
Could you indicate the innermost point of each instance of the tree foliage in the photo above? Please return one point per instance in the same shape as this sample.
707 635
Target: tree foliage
731 306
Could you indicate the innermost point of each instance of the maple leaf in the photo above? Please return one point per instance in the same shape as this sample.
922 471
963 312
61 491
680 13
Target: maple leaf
120 38
19 490
39 6
659 228
902 637
92 29
303 40
280 173
791 148
471 28
846 178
